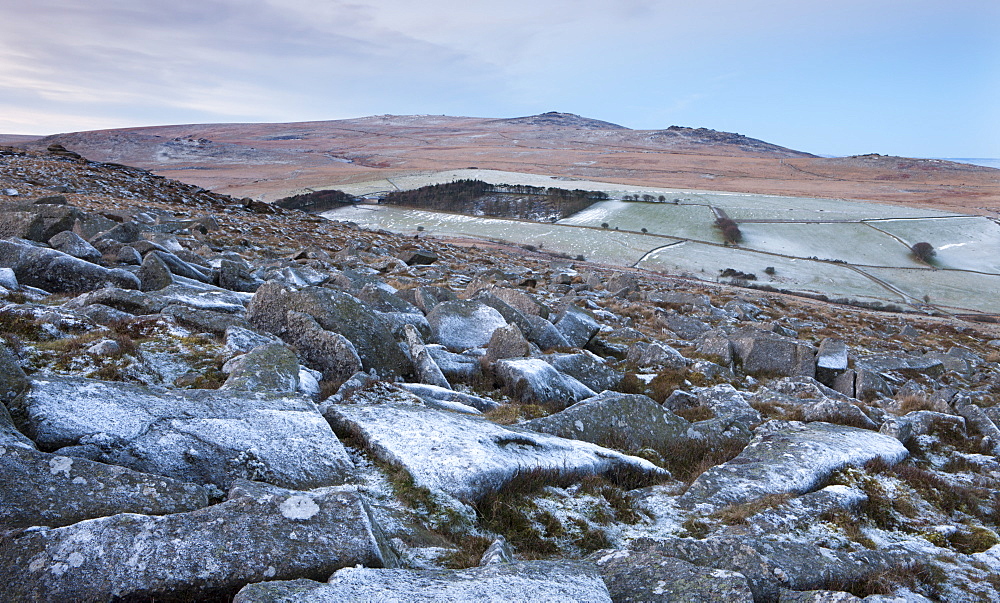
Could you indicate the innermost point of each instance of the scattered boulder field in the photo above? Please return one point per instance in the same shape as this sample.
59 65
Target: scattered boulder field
207 398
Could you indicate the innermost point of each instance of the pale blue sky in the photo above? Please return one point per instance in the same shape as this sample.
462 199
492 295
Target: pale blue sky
903 77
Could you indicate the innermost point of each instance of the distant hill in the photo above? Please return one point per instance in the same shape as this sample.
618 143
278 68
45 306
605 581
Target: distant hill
270 161
16 139
561 120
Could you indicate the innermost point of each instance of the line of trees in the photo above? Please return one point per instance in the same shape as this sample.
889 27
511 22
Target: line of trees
476 197
316 201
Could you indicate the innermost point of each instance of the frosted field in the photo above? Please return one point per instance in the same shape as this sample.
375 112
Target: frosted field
706 261
850 242
596 245
961 243
686 221
871 239
954 289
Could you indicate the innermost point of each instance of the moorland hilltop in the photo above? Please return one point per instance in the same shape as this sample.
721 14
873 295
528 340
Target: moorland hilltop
270 161
207 397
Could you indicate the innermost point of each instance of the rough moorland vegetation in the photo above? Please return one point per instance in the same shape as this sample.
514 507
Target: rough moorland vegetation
204 398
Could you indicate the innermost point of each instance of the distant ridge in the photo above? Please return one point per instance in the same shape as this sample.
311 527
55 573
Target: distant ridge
269 161
562 120
705 136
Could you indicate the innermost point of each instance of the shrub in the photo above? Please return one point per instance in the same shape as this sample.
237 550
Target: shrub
730 230
923 251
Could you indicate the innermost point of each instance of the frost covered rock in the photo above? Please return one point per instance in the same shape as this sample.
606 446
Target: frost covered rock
182 268
279 535
71 243
522 581
202 296
13 382
521 301
236 276
154 274
334 311
506 342
240 341
469 457
429 392
981 423
684 326
42 489
8 279
727 554
810 400
788 457
464 324
544 334
269 368
330 353
729 403
427 370
511 314
203 436
766 352
577 326
820 596
202 320
654 355
586 368
922 422
532 380
634 576
56 272
772 564
802 512
909 367
626 421
455 367
831 360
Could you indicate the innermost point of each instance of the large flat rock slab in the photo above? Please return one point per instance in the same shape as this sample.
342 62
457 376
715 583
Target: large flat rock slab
41 489
203 436
196 555
525 581
789 457
633 576
469 457
627 421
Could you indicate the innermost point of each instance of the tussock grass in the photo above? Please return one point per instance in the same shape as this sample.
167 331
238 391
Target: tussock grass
687 459
916 575
509 414
739 514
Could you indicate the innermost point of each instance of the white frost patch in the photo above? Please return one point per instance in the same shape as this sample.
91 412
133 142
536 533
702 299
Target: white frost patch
75 559
60 464
309 381
299 507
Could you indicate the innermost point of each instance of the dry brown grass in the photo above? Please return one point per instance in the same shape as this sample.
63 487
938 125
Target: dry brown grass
509 414
696 413
738 514
907 403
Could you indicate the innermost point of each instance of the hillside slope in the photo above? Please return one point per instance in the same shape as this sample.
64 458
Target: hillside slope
270 161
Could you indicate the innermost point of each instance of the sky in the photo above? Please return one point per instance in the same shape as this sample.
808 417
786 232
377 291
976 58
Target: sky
918 78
